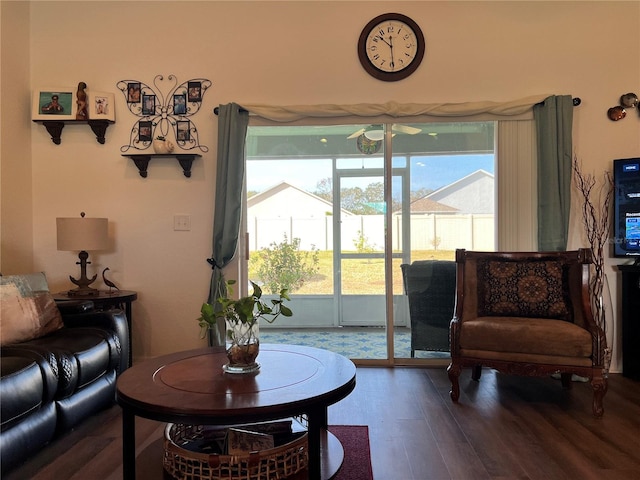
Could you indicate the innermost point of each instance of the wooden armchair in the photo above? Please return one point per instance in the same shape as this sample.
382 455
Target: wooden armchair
526 314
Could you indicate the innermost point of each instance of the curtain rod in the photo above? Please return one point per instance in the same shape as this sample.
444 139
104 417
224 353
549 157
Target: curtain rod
216 110
576 101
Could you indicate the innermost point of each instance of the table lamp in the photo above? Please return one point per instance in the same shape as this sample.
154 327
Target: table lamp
82 234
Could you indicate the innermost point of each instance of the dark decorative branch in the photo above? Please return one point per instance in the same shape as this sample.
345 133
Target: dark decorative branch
596 202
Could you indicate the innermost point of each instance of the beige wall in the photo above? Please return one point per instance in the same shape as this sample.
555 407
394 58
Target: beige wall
275 53
16 202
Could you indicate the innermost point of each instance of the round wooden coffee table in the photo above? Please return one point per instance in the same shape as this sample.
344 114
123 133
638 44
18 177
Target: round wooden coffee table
190 387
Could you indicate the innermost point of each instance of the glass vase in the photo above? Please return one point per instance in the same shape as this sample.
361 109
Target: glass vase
243 346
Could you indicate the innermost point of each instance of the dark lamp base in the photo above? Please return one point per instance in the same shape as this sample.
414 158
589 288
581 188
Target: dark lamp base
83 283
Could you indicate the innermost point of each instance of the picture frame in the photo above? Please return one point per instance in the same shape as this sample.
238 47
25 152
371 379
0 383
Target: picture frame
183 130
54 104
145 131
101 106
148 105
180 104
133 92
194 91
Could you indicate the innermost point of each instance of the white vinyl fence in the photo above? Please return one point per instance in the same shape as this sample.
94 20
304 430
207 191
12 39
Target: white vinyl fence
428 231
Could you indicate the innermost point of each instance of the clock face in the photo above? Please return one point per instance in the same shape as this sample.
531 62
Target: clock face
391 46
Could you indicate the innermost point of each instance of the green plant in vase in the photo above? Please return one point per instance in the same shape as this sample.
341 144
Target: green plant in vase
241 319
208 322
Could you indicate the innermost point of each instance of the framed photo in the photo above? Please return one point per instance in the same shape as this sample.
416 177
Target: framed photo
148 104
54 104
133 92
194 91
180 104
101 106
183 130
145 131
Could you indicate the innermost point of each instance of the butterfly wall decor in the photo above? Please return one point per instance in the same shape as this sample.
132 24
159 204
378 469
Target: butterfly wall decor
164 110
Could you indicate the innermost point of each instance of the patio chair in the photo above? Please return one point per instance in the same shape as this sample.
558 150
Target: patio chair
526 314
431 288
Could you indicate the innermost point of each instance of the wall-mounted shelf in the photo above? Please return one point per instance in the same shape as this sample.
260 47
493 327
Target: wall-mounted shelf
99 127
142 161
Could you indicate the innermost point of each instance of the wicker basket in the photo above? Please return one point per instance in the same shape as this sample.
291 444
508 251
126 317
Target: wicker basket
273 464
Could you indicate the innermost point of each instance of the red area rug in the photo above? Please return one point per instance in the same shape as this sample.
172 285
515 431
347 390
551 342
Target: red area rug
357 455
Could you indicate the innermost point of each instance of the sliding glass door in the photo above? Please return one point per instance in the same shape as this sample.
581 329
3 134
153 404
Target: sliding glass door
332 215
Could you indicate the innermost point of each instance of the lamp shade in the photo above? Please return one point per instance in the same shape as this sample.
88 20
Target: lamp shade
76 234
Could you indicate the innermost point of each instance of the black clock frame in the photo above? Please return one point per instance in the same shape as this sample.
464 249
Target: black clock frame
400 74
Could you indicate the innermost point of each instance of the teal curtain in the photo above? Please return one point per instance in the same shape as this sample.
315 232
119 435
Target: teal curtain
554 121
232 132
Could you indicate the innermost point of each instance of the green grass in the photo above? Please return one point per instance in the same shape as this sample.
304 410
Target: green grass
360 276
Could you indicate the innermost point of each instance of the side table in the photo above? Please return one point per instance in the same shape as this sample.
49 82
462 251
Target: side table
106 300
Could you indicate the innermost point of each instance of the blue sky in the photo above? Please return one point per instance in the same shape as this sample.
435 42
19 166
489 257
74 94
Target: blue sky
438 171
430 172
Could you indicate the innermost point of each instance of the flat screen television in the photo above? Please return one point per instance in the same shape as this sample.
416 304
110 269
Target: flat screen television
626 208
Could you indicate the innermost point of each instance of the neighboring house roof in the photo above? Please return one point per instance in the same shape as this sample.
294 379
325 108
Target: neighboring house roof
426 205
272 192
471 194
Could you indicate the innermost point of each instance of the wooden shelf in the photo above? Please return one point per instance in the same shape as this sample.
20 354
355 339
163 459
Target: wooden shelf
184 159
54 127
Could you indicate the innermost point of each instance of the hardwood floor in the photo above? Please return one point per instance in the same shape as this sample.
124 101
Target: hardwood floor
504 427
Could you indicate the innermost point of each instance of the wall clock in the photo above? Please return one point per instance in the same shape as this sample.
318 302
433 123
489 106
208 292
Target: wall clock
391 47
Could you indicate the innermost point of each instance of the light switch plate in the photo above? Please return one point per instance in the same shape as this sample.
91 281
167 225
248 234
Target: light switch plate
182 222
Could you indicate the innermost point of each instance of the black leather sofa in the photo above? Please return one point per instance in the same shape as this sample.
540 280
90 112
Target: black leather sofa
51 383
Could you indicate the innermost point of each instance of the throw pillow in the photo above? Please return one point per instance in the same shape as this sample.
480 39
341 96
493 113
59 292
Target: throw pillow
532 288
27 309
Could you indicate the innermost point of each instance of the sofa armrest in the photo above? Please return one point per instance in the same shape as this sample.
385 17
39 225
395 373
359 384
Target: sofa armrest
49 376
113 320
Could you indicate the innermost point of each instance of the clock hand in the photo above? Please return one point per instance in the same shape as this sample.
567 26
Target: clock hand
381 38
391 46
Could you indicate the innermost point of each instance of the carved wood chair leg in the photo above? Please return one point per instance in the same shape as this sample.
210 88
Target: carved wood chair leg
454 373
600 387
565 378
476 372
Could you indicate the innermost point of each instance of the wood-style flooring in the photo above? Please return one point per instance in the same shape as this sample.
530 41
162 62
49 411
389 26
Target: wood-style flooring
504 427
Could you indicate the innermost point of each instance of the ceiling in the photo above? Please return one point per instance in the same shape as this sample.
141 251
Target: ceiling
332 141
